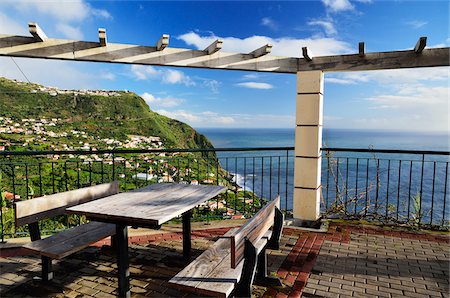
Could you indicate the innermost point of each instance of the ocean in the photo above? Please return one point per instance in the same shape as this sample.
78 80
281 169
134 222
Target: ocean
268 173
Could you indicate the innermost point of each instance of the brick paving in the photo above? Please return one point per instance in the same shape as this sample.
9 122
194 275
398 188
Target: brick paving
347 261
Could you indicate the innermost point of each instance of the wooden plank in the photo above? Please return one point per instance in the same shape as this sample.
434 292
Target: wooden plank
214 47
305 54
163 42
36 209
152 205
420 45
262 51
254 229
361 49
102 37
37 32
71 240
61 49
203 265
211 273
213 284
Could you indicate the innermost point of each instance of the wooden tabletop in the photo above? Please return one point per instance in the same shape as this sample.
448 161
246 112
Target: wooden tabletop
152 205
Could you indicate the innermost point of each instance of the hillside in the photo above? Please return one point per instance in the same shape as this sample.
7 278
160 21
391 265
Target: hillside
101 115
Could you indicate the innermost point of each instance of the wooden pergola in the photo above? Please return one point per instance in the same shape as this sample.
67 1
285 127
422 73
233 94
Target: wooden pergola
309 71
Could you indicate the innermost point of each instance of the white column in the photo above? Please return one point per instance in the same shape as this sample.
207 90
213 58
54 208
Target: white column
308 141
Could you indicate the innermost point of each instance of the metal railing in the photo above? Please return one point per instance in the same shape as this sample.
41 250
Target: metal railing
391 186
253 175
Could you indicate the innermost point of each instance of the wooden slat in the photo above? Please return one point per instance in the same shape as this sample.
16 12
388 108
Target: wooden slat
71 240
163 42
305 54
211 273
37 32
420 45
152 205
102 37
36 209
361 49
254 229
262 51
61 49
214 47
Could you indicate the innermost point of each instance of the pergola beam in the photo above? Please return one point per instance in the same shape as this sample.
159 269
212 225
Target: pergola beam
61 49
37 32
163 42
214 47
102 37
262 51
420 45
361 49
305 54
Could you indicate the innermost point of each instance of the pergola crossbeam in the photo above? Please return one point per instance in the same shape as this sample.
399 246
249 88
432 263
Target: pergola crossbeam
214 47
37 32
102 37
420 45
39 46
305 54
163 42
264 50
361 49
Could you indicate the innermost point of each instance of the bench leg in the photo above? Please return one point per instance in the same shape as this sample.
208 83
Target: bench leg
274 241
47 273
122 261
187 235
262 278
244 287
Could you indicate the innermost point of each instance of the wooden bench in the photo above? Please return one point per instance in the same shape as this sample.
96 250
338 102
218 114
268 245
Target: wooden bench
68 241
232 263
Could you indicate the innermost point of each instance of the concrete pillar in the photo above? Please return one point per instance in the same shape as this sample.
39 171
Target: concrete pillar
308 141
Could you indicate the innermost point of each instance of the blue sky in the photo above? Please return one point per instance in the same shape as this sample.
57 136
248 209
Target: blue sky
415 99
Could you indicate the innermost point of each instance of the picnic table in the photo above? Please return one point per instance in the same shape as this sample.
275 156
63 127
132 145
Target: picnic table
150 207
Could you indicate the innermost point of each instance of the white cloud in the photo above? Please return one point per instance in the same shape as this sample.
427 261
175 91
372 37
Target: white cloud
416 24
167 76
165 102
214 119
141 72
69 31
213 85
284 46
255 85
251 76
108 76
328 26
67 11
340 81
338 5
171 76
398 76
418 98
268 22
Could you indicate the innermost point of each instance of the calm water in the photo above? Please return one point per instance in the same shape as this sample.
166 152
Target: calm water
268 173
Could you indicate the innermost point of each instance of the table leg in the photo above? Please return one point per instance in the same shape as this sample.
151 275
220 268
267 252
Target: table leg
187 235
122 260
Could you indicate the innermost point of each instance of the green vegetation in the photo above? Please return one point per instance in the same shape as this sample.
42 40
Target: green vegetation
33 117
117 116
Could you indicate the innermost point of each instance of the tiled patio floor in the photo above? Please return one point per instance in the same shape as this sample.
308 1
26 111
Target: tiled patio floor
345 261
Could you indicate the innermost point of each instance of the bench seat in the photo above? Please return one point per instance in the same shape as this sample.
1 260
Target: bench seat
211 274
71 240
